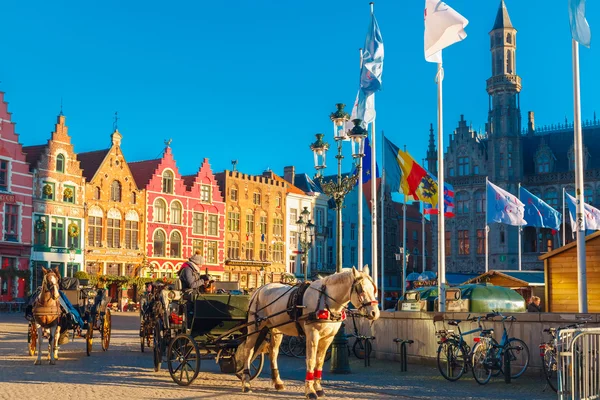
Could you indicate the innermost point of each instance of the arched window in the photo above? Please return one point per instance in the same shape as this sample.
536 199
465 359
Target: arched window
159 244
60 163
462 203
167 182
175 245
160 210
97 193
480 201
509 68
176 213
115 191
508 38
133 198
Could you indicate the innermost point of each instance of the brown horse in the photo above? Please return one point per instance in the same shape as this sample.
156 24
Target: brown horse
46 314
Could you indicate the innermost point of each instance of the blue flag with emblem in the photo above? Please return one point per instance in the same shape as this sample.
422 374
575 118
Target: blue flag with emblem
538 213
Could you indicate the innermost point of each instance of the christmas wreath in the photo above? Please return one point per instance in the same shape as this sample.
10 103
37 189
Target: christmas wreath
47 190
40 226
68 193
73 230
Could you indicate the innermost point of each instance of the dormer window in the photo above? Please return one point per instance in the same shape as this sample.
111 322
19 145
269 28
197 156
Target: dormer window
543 164
60 163
571 157
167 182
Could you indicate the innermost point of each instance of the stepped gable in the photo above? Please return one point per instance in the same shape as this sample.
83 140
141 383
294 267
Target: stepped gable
207 176
143 171
91 161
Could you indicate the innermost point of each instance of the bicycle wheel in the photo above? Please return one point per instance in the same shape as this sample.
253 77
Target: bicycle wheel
359 349
451 360
483 355
518 354
549 367
297 346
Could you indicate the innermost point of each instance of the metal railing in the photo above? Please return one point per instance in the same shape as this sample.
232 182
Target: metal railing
579 363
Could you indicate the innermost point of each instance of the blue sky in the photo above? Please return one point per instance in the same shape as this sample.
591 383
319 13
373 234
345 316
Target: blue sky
255 80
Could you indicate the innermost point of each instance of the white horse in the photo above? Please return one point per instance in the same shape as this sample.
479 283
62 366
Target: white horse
324 304
46 314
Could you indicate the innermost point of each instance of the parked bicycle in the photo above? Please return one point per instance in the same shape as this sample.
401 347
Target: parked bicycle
362 344
548 353
489 355
454 353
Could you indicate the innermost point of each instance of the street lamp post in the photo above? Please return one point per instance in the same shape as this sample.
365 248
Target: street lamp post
262 275
337 189
306 231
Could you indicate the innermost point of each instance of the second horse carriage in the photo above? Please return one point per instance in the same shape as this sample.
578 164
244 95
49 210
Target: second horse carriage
80 310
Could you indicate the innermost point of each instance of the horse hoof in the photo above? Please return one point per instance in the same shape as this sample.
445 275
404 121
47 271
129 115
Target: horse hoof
320 393
52 362
279 386
311 396
246 390
37 362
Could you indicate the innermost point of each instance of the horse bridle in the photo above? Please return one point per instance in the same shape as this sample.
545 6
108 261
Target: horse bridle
50 285
357 287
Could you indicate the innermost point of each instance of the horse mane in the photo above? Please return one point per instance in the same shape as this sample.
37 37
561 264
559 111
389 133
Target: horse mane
337 278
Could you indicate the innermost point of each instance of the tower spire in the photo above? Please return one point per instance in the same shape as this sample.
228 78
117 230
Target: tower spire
502 19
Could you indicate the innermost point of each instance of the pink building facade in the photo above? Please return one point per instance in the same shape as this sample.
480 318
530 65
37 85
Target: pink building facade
183 214
16 197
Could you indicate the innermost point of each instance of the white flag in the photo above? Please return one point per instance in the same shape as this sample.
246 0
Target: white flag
592 215
443 27
504 207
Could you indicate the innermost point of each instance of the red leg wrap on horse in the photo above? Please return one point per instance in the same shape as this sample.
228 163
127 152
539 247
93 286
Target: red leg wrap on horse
318 374
310 376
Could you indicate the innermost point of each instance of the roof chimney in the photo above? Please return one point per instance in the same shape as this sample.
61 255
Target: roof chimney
530 123
289 174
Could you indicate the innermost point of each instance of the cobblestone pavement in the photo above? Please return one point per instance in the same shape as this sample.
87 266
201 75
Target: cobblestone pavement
124 372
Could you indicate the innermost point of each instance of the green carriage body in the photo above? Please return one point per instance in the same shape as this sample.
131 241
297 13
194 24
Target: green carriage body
217 314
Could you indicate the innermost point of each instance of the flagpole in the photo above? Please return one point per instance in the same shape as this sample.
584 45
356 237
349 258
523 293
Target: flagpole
520 227
374 194
382 186
423 268
360 199
563 219
487 228
441 216
405 252
579 188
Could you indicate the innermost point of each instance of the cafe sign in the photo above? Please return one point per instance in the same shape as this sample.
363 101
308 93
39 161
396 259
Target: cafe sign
7 198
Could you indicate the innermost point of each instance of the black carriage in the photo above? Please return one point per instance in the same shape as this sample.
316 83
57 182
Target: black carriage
205 326
91 304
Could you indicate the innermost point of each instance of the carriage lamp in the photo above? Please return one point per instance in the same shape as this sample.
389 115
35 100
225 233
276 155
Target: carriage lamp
319 149
339 118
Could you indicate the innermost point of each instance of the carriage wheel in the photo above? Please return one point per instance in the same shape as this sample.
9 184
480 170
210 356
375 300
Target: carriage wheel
297 346
183 358
256 366
32 338
105 330
89 338
158 344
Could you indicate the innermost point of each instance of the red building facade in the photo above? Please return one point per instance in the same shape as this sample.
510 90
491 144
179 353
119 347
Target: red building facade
183 214
16 197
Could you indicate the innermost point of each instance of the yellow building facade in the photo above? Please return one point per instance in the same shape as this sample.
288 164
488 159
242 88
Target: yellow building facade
255 223
114 212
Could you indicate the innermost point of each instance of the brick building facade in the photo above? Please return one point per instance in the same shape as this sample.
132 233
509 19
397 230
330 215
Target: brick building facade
15 209
255 227
183 214
58 205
